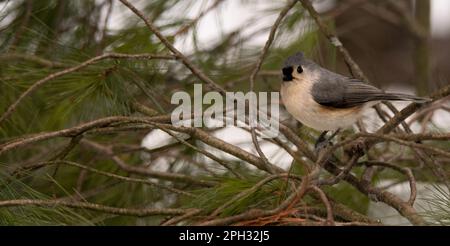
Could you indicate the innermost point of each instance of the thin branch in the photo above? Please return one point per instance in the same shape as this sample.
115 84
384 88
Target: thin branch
337 178
74 131
224 146
334 40
105 23
107 174
177 219
22 27
384 196
52 76
269 41
138 212
258 65
204 152
326 202
246 193
406 171
33 58
253 214
435 150
197 72
145 171
410 109
193 22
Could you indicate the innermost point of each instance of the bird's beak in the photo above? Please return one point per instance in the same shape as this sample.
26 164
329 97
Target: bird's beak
287 73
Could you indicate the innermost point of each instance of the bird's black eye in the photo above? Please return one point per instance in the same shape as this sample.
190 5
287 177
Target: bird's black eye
299 69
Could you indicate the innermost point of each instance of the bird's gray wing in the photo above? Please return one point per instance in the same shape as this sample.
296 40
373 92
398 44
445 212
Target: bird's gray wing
343 92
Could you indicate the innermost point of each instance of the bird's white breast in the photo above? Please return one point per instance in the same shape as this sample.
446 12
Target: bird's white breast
297 99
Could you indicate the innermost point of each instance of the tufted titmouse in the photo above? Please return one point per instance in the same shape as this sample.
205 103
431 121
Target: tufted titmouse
326 101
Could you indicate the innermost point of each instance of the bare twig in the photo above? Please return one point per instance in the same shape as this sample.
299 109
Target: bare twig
258 65
196 71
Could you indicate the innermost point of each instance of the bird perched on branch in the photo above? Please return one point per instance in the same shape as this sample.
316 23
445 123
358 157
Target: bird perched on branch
327 101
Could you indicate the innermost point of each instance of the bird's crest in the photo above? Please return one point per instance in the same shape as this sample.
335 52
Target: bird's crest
293 60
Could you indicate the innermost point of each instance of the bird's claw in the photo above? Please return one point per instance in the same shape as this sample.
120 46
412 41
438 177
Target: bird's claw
320 145
358 148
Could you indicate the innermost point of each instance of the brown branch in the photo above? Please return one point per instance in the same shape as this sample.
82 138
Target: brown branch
138 212
410 109
204 152
224 146
74 131
402 142
145 171
351 215
326 202
143 109
373 138
177 219
384 196
107 174
104 122
337 178
253 214
406 171
403 208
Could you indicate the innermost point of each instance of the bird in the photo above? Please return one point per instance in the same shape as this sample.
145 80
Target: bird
327 101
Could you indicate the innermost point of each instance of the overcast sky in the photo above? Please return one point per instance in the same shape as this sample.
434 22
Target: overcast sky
233 14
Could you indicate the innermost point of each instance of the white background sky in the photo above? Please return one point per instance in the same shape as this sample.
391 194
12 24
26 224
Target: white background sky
233 14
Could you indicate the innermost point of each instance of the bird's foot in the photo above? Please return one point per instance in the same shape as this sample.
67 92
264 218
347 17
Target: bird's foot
318 146
358 148
321 142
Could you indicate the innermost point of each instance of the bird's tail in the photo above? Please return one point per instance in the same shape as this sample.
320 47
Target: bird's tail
405 97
